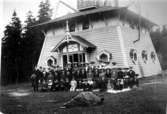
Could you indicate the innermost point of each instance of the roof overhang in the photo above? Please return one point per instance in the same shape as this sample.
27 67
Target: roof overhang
121 11
80 14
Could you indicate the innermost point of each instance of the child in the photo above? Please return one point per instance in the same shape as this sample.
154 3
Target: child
90 84
73 84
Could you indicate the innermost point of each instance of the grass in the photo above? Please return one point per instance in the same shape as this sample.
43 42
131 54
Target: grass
149 98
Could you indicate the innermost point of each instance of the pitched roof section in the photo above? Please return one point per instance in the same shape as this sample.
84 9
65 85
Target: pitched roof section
78 39
121 11
84 41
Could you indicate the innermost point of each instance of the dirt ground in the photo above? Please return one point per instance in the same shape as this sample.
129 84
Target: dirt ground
149 98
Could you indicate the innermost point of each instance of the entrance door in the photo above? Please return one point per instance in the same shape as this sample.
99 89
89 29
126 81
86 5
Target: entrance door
75 58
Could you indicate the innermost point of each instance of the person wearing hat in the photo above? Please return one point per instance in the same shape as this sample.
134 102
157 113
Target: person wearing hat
96 78
133 79
119 79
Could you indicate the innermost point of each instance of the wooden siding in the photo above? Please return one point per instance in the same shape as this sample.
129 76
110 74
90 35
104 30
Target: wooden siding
113 37
145 43
105 38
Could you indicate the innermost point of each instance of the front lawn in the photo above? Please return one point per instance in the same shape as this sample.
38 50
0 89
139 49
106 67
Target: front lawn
149 98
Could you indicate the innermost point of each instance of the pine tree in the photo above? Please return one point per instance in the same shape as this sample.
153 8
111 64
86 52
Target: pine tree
45 12
11 50
29 45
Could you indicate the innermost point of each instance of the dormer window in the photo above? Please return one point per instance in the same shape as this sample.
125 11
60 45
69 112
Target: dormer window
72 27
85 24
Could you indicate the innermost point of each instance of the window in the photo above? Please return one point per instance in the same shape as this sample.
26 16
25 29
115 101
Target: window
133 55
50 62
104 56
85 24
75 58
153 56
144 56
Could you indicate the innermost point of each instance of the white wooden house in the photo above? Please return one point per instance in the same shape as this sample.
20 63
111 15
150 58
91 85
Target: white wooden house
103 35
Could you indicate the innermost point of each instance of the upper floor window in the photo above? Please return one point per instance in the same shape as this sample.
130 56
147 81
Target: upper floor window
85 24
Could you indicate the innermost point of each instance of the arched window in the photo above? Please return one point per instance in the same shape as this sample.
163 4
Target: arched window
51 61
104 56
133 55
153 57
144 56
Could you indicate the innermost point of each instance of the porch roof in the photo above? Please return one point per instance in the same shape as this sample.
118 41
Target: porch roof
75 38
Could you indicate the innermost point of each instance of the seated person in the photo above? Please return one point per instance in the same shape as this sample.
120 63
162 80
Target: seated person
55 86
67 84
62 84
73 84
90 84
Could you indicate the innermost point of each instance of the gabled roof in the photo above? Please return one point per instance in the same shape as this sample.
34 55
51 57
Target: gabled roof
80 13
76 38
120 10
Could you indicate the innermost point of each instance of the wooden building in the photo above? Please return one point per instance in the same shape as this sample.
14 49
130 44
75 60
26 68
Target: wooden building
102 34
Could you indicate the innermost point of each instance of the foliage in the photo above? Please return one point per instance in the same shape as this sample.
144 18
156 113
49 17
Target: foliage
159 38
21 47
45 12
12 51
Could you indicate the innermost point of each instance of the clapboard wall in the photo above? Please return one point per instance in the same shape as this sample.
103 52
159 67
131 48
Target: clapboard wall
111 35
144 43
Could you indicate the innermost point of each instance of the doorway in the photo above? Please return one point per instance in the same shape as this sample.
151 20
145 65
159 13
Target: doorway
74 58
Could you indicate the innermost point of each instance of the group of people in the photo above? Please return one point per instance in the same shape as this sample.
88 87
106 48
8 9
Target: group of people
84 79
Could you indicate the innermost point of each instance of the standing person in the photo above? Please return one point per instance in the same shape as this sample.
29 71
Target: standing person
34 81
67 84
77 75
103 84
108 76
62 84
133 78
50 79
119 79
90 73
63 73
108 73
83 74
96 78
44 82
69 75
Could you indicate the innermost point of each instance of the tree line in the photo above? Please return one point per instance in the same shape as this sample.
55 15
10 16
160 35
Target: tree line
21 45
159 39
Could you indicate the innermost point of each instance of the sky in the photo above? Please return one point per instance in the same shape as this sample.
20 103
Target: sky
155 10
